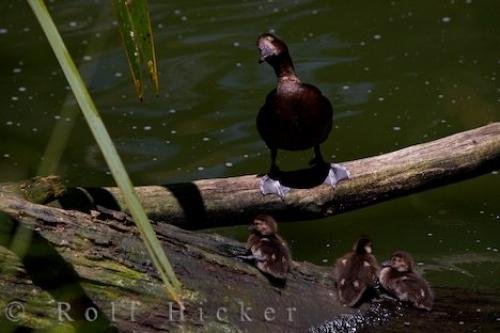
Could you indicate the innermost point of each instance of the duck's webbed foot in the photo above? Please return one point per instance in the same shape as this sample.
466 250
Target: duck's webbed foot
272 186
336 174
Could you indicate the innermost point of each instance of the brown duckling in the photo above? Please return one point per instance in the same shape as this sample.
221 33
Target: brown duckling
295 115
355 272
268 249
399 278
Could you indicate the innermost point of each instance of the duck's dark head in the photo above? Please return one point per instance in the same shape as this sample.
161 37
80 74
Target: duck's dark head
263 225
401 261
271 48
363 246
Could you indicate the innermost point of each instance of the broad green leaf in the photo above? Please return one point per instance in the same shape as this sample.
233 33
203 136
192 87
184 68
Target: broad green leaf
140 16
108 149
137 34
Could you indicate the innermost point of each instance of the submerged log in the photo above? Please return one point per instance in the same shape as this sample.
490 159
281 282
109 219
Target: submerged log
105 266
82 266
231 201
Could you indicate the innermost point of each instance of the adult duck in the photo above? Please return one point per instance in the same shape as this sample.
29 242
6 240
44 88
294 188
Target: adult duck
295 116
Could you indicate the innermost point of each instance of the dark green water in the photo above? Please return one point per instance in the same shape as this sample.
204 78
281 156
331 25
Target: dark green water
398 73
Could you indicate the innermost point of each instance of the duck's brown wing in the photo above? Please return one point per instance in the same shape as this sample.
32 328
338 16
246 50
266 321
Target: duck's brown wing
268 122
353 275
315 113
251 241
272 257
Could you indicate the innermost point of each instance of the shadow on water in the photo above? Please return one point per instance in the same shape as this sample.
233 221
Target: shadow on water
49 271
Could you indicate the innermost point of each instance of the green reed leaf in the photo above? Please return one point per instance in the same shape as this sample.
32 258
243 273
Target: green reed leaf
108 149
137 33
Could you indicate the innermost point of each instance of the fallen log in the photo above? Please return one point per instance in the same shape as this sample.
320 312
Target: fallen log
210 203
82 267
108 266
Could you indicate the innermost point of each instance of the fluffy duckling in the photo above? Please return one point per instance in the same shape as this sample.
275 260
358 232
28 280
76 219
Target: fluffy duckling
268 249
295 115
400 279
355 272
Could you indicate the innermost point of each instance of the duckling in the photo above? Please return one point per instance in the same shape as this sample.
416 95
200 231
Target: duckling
355 272
400 279
268 249
295 115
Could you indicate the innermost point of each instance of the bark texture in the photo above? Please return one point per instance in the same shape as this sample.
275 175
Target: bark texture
104 261
87 261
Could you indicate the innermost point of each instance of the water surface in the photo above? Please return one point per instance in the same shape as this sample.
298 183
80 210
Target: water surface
397 72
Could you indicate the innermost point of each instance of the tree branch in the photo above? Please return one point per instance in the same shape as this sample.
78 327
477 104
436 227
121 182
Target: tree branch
210 203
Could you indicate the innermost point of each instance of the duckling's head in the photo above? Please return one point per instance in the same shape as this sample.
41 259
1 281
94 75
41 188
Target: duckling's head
402 261
363 246
264 225
271 48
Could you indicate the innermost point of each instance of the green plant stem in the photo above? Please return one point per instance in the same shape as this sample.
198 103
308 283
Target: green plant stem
58 141
107 147
69 111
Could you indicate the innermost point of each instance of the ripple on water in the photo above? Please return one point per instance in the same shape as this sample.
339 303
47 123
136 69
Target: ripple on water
378 313
140 154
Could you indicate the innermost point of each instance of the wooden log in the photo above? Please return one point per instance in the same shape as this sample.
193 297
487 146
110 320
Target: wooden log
231 201
108 263
84 266
78 262
40 190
